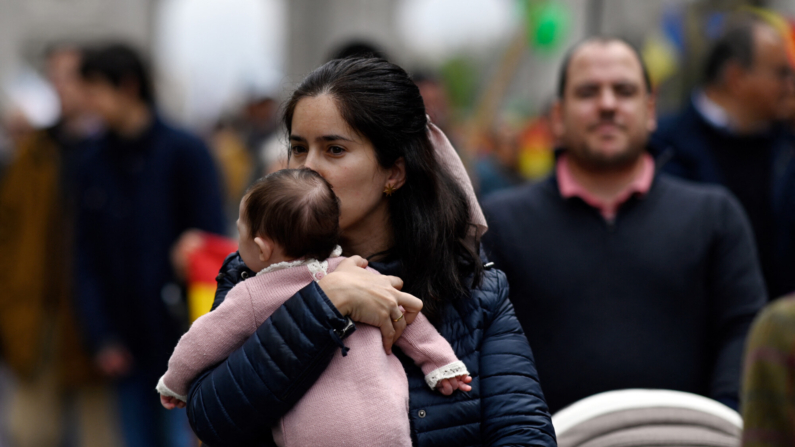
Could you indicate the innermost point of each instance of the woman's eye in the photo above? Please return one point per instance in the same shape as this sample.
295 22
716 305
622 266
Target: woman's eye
336 150
297 150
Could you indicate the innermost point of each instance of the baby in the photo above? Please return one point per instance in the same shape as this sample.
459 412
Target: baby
288 229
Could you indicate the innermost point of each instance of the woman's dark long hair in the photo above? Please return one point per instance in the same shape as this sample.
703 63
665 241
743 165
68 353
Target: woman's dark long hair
430 214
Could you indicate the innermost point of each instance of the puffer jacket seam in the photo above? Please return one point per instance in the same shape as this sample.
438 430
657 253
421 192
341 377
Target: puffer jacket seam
312 365
237 384
223 409
489 376
520 393
506 353
432 406
449 427
511 416
267 354
304 340
204 411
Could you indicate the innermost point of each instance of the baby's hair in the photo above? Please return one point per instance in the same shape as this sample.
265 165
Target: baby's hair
296 209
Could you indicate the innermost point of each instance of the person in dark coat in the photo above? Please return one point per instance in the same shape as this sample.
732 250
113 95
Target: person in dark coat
39 338
142 185
729 134
361 124
622 277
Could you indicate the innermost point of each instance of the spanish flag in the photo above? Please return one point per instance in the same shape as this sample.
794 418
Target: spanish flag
203 266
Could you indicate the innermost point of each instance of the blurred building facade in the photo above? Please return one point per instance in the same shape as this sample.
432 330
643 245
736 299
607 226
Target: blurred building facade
315 28
27 26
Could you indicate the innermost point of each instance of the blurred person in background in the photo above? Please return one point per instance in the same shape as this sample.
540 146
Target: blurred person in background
242 145
234 160
6 146
623 277
259 120
434 96
768 394
142 186
729 134
60 398
16 127
499 168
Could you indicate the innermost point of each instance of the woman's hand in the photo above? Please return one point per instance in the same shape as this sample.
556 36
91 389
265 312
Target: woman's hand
371 299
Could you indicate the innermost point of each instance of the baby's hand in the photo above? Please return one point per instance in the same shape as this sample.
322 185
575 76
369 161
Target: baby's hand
169 402
447 386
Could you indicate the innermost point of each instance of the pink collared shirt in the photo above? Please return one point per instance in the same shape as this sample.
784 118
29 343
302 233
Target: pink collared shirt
569 187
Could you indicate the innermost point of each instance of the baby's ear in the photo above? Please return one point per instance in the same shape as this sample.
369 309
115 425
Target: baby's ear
265 248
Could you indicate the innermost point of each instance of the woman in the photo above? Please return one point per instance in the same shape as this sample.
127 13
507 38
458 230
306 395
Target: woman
361 124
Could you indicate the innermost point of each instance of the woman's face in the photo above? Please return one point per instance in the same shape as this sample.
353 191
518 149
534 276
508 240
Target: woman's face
321 140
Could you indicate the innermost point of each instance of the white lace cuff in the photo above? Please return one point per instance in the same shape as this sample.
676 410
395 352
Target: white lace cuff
454 369
166 391
317 268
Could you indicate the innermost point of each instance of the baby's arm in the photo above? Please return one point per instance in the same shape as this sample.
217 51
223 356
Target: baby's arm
434 355
210 339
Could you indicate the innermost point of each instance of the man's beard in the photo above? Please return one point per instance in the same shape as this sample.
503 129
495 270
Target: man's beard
592 160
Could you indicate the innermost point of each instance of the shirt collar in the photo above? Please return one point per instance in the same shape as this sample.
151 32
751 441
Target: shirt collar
569 187
711 111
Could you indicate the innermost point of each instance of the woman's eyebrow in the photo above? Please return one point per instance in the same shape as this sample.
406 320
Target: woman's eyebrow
334 138
301 139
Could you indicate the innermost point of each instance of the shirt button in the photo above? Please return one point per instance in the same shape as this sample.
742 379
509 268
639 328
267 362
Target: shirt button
244 274
319 275
421 413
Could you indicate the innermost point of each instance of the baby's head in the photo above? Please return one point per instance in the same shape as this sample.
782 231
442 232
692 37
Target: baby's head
287 215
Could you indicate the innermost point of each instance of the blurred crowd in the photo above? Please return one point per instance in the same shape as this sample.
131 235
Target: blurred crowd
97 209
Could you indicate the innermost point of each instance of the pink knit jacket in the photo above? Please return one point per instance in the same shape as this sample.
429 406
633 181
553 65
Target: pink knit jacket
360 399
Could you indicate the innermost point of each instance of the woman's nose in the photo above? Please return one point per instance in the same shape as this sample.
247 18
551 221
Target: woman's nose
311 160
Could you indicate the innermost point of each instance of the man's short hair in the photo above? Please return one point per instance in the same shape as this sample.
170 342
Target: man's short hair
296 209
117 64
564 67
736 45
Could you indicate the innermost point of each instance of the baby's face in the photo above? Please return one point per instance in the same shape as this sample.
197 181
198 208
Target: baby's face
249 251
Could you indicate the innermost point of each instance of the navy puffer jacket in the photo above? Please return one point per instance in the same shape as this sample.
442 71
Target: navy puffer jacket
237 402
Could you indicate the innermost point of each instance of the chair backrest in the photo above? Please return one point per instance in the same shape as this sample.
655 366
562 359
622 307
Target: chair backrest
639 417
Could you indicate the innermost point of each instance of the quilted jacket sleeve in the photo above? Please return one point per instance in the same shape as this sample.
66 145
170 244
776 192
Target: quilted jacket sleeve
513 406
237 402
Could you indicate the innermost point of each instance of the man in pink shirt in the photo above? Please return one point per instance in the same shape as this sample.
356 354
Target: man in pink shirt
623 277
604 121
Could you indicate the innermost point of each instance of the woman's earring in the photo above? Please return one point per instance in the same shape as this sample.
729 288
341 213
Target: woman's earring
389 189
